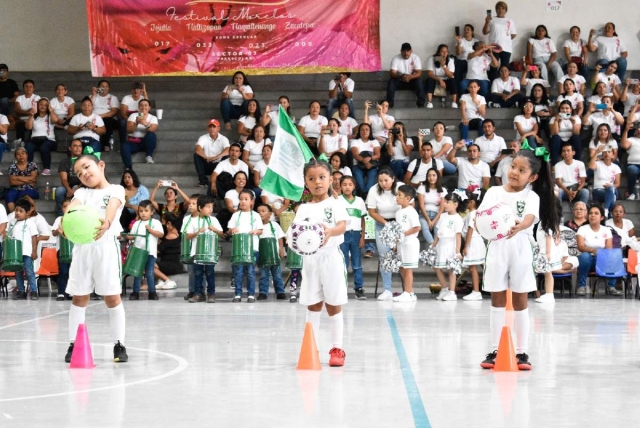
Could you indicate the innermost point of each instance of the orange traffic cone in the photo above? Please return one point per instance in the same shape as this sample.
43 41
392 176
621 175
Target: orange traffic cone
509 306
309 358
82 358
506 360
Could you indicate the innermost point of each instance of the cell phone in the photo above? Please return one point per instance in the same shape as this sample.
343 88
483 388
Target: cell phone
166 183
438 58
634 81
424 131
457 29
507 151
532 67
488 12
601 106
565 115
468 142
600 31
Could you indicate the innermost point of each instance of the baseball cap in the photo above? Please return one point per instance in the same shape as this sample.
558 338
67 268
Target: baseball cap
405 47
214 122
4 67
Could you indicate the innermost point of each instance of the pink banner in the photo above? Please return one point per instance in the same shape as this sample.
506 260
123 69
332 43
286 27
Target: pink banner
182 37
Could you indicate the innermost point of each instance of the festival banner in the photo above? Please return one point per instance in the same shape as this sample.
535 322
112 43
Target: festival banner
193 37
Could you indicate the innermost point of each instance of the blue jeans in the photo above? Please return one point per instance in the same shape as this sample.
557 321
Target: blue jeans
371 175
587 263
45 147
201 272
484 87
61 194
415 85
335 103
3 148
517 98
399 168
148 272
382 250
449 168
192 277
276 273
556 143
31 275
92 142
5 106
426 231
239 272
532 142
607 196
475 124
230 111
351 246
63 275
582 196
632 176
622 66
13 195
127 148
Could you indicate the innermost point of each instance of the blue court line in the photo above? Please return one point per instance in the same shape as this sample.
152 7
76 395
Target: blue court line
417 407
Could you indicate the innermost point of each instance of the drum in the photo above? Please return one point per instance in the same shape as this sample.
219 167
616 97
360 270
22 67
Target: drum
294 261
206 249
286 218
185 250
306 237
12 261
268 249
495 222
136 261
66 250
242 249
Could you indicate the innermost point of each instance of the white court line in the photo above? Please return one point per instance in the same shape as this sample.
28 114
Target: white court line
40 318
7 416
182 364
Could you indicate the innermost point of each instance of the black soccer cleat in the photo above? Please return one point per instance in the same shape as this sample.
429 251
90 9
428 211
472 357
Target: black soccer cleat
67 357
120 353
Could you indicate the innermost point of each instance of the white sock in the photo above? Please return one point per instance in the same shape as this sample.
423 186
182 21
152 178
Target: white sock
117 320
496 322
522 324
336 324
314 319
76 317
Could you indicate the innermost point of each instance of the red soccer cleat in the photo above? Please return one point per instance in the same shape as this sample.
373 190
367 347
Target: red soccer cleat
337 357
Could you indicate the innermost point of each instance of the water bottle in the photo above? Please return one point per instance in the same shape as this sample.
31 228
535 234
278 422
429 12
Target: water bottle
111 142
47 192
590 188
636 190
53 193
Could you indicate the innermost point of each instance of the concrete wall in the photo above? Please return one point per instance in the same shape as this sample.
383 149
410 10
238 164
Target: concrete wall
52 35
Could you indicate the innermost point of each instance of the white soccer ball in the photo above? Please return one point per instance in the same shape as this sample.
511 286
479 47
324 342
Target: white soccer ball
495 222
306 237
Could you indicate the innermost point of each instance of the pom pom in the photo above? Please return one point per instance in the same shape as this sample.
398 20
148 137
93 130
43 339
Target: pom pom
390 262
391 234
455 264
540 262
428 257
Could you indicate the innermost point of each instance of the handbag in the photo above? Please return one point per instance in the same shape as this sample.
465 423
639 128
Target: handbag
439 91
374 163
576 60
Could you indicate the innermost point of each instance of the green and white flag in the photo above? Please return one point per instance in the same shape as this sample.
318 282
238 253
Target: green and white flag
285 173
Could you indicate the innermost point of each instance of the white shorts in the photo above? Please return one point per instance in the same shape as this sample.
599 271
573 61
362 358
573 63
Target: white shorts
324 278
409 253
96 267
509 264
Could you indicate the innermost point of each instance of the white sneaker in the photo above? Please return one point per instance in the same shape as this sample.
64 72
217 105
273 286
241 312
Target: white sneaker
11 285
170 285
160 285
546 298
454 105
474 295
429 105
150 159
386 295
405 297
632 197
443 292
450 297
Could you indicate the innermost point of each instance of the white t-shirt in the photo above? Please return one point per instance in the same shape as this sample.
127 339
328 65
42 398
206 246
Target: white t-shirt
504 166
249 123
333 144
632 99
347 126
274 123
4 120
193 224
212 147
385 204
572 173
348 84
268 233
23 230
627 225
27 104
575 48
61 108
542 48
611 81
565 126
490 149
437 145
611 143
328 212
43 127
573 99
98 199
605 174
421 175
526 125
531 82
104 104
255 150
470 108
500 31
522 203
408 219
3 217
139 228
477 67
449 225
467 47
236 97
41 223
346 171
578 81
439 71
245 222
398 153
56 225
633 152
226 166
79 120
471 174
274 200
499 86
261 167
356 209
432 199
609 48
132 105
313 127
406 66
597 118
470 222
377 126
365 146
594 239
141 130
234 197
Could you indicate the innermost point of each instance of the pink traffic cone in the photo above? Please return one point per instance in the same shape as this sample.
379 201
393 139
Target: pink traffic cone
82 358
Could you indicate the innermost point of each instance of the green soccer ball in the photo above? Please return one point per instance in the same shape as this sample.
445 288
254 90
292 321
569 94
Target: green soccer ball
80 223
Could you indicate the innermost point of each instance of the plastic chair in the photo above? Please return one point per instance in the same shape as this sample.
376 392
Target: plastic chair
48 265
4 281
610 265
561 279
632 262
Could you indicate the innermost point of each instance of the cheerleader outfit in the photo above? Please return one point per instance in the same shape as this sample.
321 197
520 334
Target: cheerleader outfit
477 250
554 255
448 227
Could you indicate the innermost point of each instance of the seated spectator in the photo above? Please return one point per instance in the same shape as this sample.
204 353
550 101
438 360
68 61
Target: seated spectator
478 63
630 98
505 90
247 122
606 178
576 52
579 216
260 168
575 99
43 138
277 203
464 46
565 129
271 117
4 128
23 179
381 123
338 162
252 151
596 96
24 106
222 176
603 138
9 91
610 48
490 144
172 205
501 31
168 262
591 237
541 51
623 226
406 74
63 106
69 181
526 125
472 172
632 146
129 106
341 92
609 78
311 125
571 177
417 169
107 107
441 146
333 142
142 127
502 171
594 116
430 205
441 71
134 193
210 149
543 108
232 197
579 81
399 150
529 82
472 108
348 125
366 155
234 99
87 126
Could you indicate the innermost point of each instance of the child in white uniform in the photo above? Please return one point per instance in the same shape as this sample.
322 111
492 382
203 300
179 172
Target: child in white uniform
97 266
447 243
474 249
354 235
146 233
409 248
23 228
